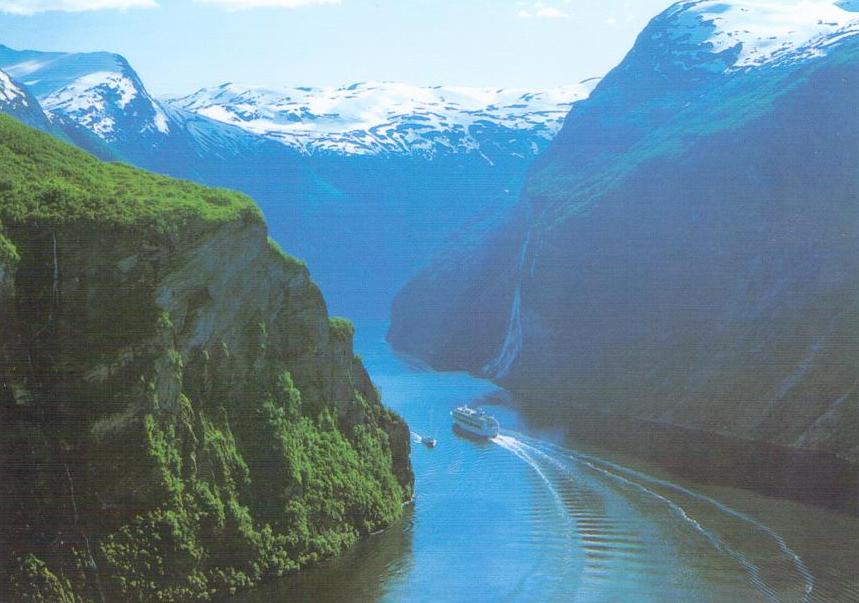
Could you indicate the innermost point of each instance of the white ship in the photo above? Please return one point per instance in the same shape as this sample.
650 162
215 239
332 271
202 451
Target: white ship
474 422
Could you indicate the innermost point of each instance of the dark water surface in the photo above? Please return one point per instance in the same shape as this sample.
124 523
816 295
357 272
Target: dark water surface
546 514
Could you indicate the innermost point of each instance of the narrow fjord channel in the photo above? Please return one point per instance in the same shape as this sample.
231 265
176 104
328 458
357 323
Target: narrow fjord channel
533 517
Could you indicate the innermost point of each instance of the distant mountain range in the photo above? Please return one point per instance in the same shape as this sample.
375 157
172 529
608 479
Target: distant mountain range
390 171
388 118
687 249
101 93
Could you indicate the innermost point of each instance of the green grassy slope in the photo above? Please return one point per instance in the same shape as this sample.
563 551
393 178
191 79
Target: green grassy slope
42 179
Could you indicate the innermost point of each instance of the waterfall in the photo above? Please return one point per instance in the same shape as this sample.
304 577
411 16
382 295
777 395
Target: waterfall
91 566
500 366
55 290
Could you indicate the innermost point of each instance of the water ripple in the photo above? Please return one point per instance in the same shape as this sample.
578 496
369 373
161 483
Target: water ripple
761 569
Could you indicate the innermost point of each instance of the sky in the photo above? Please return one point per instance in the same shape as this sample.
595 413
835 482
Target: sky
179 46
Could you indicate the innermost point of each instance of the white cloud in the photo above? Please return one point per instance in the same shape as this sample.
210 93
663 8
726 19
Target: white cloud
31 7
543 10
233 5
611 21
550 12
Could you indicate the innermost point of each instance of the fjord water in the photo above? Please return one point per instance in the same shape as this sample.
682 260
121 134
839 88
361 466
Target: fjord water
527 517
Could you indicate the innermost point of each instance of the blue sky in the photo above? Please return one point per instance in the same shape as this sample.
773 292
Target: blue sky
178 46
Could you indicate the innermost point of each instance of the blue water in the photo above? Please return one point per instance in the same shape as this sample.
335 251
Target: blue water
520 518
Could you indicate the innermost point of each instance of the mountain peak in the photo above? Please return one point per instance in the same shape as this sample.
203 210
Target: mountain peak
97 90
754 33
44 72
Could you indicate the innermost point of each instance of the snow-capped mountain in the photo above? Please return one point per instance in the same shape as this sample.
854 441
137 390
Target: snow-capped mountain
102 100
11 95
98 91
754 33
98 101
393 118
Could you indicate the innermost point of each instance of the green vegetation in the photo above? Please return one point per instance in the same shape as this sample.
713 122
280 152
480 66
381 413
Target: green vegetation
186 472
46 181
8 252
33 582
295 490
341 328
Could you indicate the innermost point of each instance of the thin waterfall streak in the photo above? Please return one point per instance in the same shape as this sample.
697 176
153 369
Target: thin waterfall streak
56 280
500 366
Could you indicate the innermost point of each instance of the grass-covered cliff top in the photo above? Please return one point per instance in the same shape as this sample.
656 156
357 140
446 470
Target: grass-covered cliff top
47 181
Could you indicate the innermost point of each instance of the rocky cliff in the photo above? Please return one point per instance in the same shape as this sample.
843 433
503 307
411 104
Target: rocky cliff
181 418
686 250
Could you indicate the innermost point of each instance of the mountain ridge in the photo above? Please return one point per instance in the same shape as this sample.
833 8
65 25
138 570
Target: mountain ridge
391 118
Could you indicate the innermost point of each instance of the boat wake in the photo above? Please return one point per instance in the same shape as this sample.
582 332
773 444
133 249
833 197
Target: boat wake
772 568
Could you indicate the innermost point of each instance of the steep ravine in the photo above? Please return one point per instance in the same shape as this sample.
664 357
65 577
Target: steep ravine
181 418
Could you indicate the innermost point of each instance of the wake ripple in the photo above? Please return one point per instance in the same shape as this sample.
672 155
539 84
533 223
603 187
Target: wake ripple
718 544
797 561
527 448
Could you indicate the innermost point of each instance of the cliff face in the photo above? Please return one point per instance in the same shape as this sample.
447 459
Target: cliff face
686 250
181 416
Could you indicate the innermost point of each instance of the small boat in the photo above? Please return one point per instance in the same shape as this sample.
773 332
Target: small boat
429 441
474 422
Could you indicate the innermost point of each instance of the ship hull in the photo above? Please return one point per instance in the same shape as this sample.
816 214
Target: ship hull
474 432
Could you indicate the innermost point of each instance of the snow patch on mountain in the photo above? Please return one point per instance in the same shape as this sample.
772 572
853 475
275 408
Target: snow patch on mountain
389 117
9 92
16 100
762 32
94 100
